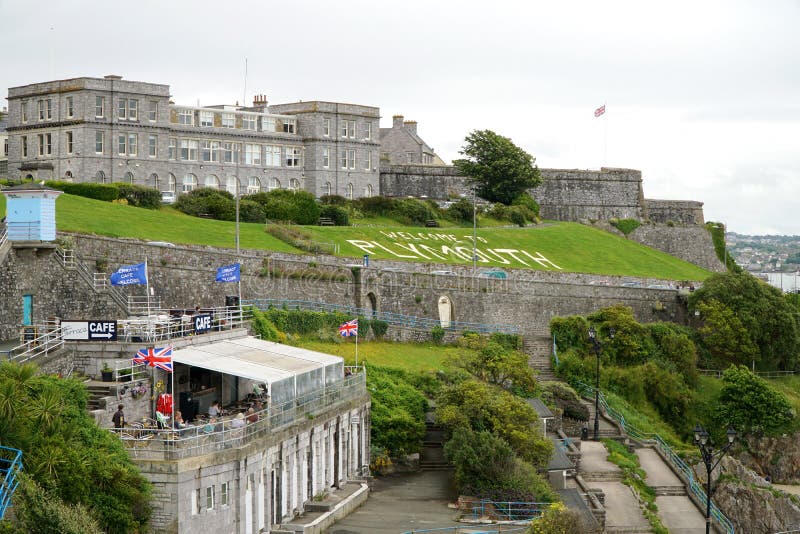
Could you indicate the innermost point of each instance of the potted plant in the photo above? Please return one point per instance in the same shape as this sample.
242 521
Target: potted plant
124 375
106 372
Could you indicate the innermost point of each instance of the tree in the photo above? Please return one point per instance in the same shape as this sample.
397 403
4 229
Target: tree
750 406
558 519
500 169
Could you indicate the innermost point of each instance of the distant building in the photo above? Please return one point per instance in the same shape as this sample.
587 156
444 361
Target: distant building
400 145
114 130
3 144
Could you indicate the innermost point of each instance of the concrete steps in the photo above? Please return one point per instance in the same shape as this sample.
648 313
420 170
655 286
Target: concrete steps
432 457
601 476
97 396
670 490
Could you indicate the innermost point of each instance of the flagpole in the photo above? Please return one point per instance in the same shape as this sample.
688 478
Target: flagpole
147 285
605 135
172 385
356 348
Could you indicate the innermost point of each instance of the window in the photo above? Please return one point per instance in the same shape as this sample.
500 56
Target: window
173 148
128 177
189 183
172 182
228 120
122 110
368 165
133 109
100 177
206 118
41 110
189 149
267 124
49 106
230 152
132 138
249 122
24 146
210 498
212 181
232 185
368 131
223 494
98 141
209 151
69 142
100 106
292 156
5 146
70 107
152 113
186 116
154 180
122 145
24 112
427 159
409 157
326 127
273 156
294 184
152 146
327 188
274 183
350 191
368 191
348 128
344 128
253 185
348 158
252 154
289 125
326 158
195 498
45 144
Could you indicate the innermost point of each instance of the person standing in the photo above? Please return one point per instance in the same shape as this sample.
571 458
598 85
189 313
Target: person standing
119 417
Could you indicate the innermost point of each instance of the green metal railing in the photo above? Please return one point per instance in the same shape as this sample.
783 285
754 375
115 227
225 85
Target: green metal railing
10 466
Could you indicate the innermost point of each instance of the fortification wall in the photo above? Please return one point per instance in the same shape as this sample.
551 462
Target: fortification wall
691 243
433 181
675 211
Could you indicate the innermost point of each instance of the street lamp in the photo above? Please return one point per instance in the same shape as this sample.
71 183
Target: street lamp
596 347
711 459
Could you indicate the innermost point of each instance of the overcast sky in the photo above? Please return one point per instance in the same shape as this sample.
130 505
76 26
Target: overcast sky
703 97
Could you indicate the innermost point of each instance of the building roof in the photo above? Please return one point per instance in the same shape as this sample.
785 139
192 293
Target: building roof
32 187
573 500
542 410
559 461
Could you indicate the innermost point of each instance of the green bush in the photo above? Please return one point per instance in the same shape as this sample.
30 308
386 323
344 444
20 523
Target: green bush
207 201
750 405
570 332
517 215
339 215
461 211
626 226
298 207
376 206
262 326
333 200
104 192
437 334
527 201
139 196
507 341
564 397
379 328
412 211
250 211
398 411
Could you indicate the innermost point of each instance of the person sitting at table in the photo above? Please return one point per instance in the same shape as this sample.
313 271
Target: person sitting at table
211 426
252 416
177 421
161 420
214 410
238 421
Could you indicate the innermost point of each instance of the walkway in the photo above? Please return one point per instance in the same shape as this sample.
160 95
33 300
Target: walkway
676 510
401 503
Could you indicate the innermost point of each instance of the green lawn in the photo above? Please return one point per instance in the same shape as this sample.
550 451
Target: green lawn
407 356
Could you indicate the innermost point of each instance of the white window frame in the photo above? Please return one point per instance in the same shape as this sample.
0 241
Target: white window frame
326 158
49 108
133 109
268 124
294 184
152 113
289 125
100 106
352 129
184 115
24 107
223 494
206 119
133 144
253 185
70 105
210 497
40 139
368 131
293 156
344 129
172 153
212 181
229 120
69 141
190 182
249 122
351 155
122 144
368 166
122 109
152 146
274 184
326 127
209 151
232 185
188 149
252 154
40 104
99 141
272 156
230 152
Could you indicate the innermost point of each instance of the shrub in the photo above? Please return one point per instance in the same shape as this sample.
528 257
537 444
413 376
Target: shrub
207 201
507 341
250 211
298 207
558 519
750 405
376 206
333 200
437 334
570 332
263 327
104 192
412 211
379 328
139 196
398 412
527 201
339 215
626 226
498 211
516 214
298 238
461 211
565 398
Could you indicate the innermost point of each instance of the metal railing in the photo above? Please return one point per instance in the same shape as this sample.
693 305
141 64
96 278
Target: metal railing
509 510
175 443
10 466
163 325
694 485
393 319
717 373
37 344
139 305
130 373
471 529
66 256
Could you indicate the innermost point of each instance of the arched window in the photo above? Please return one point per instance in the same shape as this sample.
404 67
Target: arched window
128 177
154 180
189 183
274 184
368 191
172 182
212 181
253 185
350 191
68 176
232 185
327 188
100 177
29 177
294 184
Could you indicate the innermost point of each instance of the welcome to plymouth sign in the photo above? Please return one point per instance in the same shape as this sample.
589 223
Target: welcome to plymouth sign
430 246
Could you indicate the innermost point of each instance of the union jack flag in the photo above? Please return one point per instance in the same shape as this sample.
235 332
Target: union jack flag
160 358
599 111
350 328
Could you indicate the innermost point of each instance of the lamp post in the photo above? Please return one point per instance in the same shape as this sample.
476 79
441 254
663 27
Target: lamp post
711 459
596 347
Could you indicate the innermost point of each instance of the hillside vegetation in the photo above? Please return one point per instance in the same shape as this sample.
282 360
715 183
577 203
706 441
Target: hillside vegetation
569 246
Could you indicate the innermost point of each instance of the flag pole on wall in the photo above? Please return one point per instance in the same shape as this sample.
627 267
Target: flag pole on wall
147 285
599 112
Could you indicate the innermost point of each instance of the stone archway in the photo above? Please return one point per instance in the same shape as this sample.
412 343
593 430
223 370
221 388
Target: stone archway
446 314
373 303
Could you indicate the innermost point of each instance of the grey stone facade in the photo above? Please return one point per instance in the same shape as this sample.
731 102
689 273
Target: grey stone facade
400 145
114 130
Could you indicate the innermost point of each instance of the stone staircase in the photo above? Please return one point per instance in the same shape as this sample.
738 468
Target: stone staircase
432 457
601 476
538 349
97 396
670 490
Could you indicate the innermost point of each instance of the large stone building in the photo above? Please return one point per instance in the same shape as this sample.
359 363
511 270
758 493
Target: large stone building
114 130
3 144
401 145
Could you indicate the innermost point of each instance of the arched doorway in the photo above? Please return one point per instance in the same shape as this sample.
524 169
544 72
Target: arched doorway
446 314
100 177
128 178
154 180
373 303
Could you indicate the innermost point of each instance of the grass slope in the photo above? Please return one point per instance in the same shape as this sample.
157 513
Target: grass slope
571 246
406 356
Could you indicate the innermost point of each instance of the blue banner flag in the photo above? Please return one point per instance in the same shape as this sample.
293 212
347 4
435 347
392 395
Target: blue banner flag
228 273
130 275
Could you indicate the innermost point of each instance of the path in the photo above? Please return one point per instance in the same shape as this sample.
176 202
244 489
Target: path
399 503
676 510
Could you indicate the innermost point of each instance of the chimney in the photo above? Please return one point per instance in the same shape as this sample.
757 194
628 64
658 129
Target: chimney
411 126
397 121
260 102
112 77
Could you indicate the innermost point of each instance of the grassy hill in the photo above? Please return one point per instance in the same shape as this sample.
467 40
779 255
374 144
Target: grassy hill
571 247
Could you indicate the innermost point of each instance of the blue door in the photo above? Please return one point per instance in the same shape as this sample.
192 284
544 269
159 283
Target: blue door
27 309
